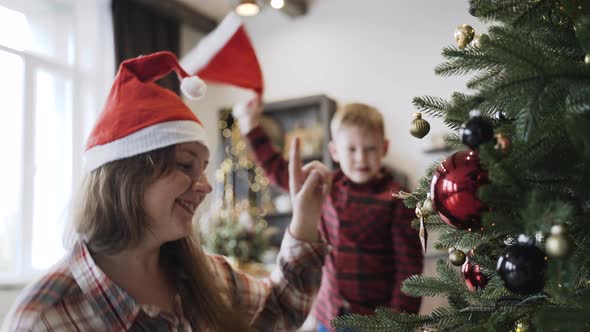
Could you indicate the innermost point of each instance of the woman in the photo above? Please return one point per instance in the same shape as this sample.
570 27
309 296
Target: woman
137 265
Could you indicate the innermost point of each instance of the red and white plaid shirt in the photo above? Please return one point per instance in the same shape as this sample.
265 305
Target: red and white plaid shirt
374 247
77 296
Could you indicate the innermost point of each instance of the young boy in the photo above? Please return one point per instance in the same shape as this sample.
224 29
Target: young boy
373 246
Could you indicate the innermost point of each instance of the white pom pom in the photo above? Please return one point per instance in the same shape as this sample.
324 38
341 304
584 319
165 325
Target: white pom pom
193 87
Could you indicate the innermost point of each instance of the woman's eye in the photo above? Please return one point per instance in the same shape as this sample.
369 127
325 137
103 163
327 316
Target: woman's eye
186 167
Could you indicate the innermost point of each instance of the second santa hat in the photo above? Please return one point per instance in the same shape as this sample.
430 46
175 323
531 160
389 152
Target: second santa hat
227 56
140 116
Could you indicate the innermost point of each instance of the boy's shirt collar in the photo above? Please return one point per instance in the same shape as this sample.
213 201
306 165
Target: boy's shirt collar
376 184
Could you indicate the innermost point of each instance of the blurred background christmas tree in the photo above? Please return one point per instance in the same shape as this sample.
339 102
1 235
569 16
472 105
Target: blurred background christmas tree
512 204
235 226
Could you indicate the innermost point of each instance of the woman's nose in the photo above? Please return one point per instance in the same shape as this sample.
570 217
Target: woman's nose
202 185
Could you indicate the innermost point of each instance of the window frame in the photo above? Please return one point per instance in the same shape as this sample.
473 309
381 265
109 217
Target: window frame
23 271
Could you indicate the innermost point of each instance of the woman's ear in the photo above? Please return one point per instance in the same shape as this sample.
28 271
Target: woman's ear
333 151
385 147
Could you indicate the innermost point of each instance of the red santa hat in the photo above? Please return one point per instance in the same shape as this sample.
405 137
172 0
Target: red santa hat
140 116
226 56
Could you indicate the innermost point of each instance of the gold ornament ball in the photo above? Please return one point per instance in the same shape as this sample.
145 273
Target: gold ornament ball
419 127
457 257
419 212
429 329
428 207
559 244
587 59
464 34
503 143
559 230
480 39
523 326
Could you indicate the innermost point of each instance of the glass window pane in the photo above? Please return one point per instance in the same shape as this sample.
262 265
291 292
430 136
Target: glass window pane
16 22
11 136
53 166
43 27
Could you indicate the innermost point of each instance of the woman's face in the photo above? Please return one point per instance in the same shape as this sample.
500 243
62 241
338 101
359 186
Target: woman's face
172 199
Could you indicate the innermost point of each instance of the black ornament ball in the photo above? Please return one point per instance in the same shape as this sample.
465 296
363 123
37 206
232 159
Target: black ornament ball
477 130
522 267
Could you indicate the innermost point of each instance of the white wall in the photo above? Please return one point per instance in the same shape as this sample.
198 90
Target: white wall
7 297
381 52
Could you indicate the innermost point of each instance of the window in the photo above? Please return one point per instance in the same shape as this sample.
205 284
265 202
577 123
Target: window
53 76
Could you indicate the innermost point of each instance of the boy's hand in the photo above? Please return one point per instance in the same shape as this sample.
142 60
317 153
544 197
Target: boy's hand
308 185
248 114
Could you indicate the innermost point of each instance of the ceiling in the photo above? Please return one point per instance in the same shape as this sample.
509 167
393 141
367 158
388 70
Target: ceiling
215 9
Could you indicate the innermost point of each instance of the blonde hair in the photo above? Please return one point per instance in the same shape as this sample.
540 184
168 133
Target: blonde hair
357 115
109 214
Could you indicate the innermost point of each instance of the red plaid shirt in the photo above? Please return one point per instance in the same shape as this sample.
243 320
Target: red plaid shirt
373 246
77 296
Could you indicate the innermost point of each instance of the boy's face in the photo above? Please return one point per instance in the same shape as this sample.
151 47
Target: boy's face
359 152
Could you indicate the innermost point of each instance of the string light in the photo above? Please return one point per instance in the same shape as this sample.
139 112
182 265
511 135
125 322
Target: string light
277 4
247 8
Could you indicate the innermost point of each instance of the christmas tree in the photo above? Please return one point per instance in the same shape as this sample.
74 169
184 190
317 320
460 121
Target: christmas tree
235 226
512 204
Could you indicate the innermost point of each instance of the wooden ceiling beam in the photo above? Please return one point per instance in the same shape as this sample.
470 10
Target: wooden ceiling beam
182 13
295 8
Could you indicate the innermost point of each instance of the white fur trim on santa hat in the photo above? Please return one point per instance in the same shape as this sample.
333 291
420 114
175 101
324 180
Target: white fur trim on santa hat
147 139
193 87
210 45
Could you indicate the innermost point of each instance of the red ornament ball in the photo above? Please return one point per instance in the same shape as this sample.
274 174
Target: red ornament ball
474 278
453 190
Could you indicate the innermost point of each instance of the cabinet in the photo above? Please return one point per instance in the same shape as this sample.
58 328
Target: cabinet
306 117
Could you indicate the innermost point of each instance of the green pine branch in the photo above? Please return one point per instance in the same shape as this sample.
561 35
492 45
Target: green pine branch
530 68
387 320
433 106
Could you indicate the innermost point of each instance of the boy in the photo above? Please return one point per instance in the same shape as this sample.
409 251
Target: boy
373 246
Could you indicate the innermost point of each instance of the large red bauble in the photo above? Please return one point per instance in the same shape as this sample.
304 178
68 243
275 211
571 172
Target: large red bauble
474 278
453 190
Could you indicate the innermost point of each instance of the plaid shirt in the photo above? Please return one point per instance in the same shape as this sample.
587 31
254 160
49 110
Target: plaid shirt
77 296
374 247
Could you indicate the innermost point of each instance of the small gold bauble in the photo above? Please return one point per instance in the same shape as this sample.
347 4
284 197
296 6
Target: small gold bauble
587 59
419 127
480 39
464 34
559 229
559 245
457 257
503 143
428 207
419 212
428 329
523 325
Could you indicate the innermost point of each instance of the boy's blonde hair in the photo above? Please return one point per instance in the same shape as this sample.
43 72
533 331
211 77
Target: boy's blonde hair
357 115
